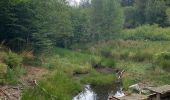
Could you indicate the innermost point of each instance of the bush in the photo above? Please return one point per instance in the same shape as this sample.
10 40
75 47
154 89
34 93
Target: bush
13 75
13 60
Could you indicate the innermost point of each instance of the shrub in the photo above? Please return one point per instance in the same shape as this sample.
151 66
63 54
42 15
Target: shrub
13 60
13 75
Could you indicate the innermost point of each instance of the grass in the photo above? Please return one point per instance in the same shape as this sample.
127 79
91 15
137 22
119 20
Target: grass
137 57
62 82
148 32
10 68
57 84
96 78
136 52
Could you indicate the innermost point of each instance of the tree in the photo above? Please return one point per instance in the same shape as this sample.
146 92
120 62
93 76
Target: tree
15 24
85 3
129 13
97 17
80 23
107 18
155 12
127 2
168 16
53 21
140 6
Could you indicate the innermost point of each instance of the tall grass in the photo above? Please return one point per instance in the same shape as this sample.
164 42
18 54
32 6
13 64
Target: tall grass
62 81
57 84
148 32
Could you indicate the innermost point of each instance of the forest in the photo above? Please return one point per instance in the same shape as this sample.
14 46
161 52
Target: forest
54 49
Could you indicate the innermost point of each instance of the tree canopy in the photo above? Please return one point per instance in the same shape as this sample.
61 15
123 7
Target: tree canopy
40 24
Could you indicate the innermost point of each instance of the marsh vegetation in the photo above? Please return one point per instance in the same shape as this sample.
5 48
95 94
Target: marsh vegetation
85 44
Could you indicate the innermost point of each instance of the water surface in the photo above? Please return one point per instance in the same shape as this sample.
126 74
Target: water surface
99 92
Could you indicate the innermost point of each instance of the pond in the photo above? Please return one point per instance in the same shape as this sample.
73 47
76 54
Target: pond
99 92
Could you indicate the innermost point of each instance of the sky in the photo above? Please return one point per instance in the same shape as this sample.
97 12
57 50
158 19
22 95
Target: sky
73 1
78 0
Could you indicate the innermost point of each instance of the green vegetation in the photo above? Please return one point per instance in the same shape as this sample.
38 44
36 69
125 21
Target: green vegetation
63 82
148 32
13 60
10 68
57 84
163 59
84 44
143 61
96 78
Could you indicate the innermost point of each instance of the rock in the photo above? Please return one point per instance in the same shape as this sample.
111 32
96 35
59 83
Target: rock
135 87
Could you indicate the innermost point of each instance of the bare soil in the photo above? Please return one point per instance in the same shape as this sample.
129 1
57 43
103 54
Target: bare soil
8 92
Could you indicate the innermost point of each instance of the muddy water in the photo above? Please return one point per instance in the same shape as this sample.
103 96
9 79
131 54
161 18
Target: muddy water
99 92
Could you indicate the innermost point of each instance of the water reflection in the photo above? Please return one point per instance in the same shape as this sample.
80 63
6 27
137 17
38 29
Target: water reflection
99 93
119 93
87 94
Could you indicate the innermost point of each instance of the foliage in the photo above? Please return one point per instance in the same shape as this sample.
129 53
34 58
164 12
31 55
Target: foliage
80 20
155 12
168 15
16 24
104 23
145 12
13 75
13 60
148 32
129 13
